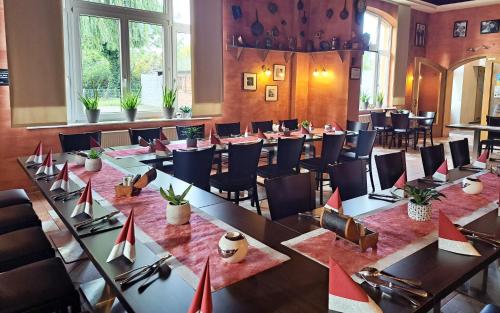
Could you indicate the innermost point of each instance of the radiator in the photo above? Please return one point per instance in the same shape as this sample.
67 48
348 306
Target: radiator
121 138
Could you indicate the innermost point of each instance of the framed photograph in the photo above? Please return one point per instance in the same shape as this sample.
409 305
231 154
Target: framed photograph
249 81
490 26
420 33
279 72
460 29
355 73
271 93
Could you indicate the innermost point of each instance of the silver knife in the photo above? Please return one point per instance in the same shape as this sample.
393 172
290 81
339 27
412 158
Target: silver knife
381 282
387 290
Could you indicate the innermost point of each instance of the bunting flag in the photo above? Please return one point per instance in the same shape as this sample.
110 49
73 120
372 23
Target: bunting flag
94 145
37 156
399 186
451 239
213 139
482 161
47 166
62 181
335 203
260 134
85 203
345 295
304 131
161 149
247 133
142 142
442 172
202 300
125 242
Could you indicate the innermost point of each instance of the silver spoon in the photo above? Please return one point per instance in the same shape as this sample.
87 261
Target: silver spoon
373 272
382 288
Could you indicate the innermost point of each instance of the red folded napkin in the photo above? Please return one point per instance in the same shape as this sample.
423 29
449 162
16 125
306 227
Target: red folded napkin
442 172
62 181
451 239
85 203
160 148
335 203
94 145
202 300
213 139
162 136
142 142
304 131
47 166
260 134
337 126
125 242
401 182
482 161
247 133
37 156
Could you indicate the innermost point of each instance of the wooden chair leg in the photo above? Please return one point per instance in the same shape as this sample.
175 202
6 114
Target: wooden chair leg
255 196
371 173
320 181
229 195
425 137
432 138
237 197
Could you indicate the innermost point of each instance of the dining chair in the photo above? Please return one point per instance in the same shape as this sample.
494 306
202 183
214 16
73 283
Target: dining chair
400 128
351 141
287 159
17 217
290 195
425 126
432 158
228 129
379 124
78 142
243 159
194 166
349 178
390 166
148 134
362 151
181 131
10 197
493 139
265 126
331 146
291 124
460 152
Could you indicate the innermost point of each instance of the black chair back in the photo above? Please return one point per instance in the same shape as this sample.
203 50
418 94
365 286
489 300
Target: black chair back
265 126
194 166
289 195
331 148
149 134
181 131
400 121
432 158
289 151
493 121
366 140
78 142
228 129
378 120
390 167
460 152
290 124
355 127
428 122
243 160
349 178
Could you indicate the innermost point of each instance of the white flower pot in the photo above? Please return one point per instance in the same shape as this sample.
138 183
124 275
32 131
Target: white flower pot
472 186
80 160
233 247
93 165
178 214
419 212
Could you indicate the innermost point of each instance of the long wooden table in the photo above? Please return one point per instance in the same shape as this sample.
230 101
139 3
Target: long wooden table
297 285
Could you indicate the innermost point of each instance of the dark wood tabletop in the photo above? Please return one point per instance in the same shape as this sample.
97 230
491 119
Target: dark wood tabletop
297 285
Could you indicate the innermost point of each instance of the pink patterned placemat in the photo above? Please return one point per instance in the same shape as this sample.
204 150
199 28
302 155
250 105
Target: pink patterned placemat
399 236
190 244
128 152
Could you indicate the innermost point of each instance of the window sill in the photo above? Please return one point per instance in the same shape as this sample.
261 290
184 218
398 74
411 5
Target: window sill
383 109
125 124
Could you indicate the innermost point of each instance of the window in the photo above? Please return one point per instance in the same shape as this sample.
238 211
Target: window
117 46
376 62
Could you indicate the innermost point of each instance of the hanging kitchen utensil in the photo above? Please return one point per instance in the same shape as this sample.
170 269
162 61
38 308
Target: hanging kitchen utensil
237 14
257 27
304 18
344 14
300 5
329 13
272 7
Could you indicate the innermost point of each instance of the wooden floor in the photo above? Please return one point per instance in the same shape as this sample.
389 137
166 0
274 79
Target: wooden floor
468 299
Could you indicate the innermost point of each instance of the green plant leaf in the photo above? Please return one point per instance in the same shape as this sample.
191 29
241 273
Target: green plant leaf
184 194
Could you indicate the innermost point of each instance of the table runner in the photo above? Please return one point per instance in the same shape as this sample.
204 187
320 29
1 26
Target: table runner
190 244
399 236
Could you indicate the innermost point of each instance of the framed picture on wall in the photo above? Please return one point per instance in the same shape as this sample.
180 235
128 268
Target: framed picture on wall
490 26
279 72
271 93
355 73
420 32
460 29
249 81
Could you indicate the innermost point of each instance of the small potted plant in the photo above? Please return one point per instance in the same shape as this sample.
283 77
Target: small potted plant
129 103
306 124
191 137
380 99
420 206
186 111
93 163
91 104
178 211
365 99
169 96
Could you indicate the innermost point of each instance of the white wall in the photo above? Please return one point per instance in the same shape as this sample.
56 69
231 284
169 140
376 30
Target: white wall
456 96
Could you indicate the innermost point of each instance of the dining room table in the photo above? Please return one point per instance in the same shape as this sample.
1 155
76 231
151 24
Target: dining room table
476 129
274 277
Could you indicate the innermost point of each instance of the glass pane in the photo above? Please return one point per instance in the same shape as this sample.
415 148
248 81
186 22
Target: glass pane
370 26
383 77
181 10
101 69
183 78
368 76
385 36
146 64
148 5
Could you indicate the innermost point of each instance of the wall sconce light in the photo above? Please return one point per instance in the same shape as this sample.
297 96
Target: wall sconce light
266 70
324 72
315 73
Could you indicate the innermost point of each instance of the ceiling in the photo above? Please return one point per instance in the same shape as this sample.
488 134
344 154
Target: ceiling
444 2
432 6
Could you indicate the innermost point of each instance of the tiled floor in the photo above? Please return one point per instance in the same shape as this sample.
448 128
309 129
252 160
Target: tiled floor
83 271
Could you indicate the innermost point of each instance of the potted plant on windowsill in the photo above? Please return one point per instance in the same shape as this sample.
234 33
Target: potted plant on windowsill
191 137
178 211
91 104
129 103
420 205
186 111
169 96
93 163
365 99
380 99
